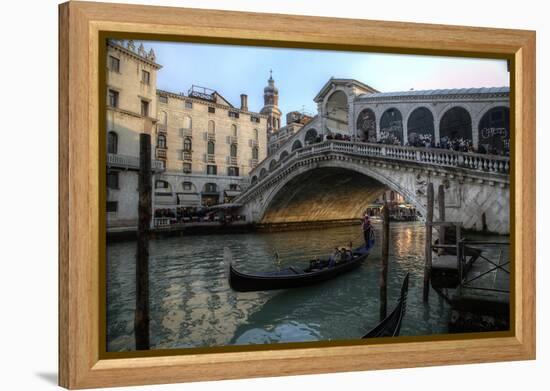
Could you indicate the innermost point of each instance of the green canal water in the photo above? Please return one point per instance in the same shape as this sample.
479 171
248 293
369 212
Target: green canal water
192 304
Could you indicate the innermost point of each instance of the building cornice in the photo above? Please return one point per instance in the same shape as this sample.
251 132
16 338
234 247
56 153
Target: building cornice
134 55
431 98
211 104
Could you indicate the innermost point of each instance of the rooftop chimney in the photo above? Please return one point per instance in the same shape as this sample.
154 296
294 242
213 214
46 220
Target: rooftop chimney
244 102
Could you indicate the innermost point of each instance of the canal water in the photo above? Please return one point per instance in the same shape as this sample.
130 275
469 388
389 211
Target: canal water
192 304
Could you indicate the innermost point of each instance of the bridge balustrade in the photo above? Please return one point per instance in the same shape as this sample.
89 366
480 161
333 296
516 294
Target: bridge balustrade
429 156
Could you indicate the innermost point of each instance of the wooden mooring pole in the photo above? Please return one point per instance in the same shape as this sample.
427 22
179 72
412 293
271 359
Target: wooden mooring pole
441 207
141 319
385 256
428 249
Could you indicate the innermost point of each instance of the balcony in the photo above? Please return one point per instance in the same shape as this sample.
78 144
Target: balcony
233 140
253 143
253 162
210 158
186 156
210 136
161 128
233 160
131 162
161 153
185 132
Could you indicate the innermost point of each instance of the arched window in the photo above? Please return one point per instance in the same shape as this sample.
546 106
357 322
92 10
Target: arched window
188 187
112 142
211 127
255 153
272 165
161 141
494 131
366 125
391 127
163 118
187 144
296 145
263 173
160 184
256 136
187 122
283 156
234 130
420 127
455 126
233 150
311 136
211 148
336 111
210 188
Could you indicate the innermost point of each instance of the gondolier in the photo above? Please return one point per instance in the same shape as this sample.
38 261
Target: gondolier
368 231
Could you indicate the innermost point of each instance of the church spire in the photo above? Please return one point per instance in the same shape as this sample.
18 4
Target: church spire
271 105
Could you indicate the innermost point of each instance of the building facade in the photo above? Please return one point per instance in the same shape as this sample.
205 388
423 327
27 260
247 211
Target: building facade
208 147
203 147
131 109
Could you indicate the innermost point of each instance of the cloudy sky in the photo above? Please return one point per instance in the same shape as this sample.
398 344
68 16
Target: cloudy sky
300 73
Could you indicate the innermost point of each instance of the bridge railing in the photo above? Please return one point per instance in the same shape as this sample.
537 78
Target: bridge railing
428 156
431 156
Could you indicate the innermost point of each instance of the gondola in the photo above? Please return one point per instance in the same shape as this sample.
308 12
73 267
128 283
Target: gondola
293 277
391 325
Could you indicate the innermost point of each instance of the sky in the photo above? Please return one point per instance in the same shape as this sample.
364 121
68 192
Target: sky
300 74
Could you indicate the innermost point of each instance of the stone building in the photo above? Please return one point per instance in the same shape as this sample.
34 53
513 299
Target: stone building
131 109
203 146
208 147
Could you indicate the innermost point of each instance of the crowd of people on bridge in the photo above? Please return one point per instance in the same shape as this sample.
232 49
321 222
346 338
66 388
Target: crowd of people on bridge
182 215
459 144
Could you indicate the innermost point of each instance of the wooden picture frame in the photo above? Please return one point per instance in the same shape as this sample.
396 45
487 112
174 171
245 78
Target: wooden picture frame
81 244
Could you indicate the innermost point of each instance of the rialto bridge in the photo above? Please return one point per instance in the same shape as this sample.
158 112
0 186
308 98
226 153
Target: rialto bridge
312 174
335 180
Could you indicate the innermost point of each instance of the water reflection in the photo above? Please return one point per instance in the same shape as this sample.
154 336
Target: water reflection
193 306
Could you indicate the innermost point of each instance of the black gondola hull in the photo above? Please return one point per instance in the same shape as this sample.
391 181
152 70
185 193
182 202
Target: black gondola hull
289 278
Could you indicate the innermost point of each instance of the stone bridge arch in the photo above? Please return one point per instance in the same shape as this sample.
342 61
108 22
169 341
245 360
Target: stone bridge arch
328 189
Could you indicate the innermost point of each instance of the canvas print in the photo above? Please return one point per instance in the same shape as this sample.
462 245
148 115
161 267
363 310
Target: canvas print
265 195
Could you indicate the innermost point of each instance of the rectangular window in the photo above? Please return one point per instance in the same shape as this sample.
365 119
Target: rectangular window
145 108
254 119
212 170
113 98
145 77
114 64
211 110
188 104
186 186
112 206
112 180
233 114
233 186
187 168
163 99
233 171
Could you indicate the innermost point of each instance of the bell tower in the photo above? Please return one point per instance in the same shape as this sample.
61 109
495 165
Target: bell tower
271 106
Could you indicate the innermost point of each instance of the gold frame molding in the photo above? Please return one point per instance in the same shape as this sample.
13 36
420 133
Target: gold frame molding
83 25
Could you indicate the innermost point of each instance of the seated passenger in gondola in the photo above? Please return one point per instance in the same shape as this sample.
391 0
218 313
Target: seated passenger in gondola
335 258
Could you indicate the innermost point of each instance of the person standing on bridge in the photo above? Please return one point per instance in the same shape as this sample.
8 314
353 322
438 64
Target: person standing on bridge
368 231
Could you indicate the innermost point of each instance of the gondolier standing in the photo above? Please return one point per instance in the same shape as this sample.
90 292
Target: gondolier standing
368 231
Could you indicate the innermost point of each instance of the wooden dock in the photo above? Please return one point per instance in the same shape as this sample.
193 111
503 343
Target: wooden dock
472 276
